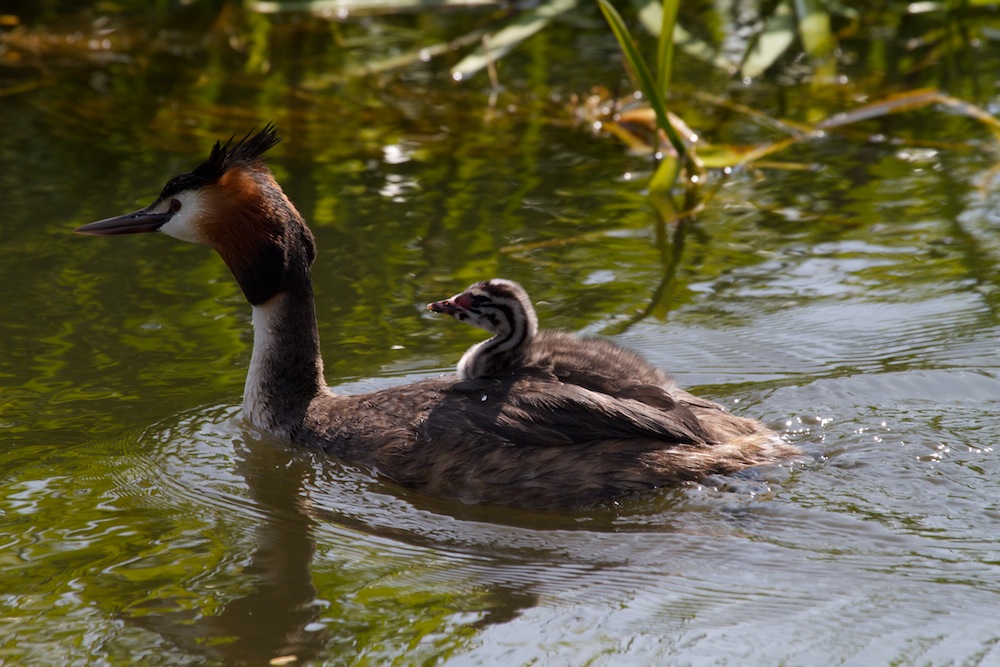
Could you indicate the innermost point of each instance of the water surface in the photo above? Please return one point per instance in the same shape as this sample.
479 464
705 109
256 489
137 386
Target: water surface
851 304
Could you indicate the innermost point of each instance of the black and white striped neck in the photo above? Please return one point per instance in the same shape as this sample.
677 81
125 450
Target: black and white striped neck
502 308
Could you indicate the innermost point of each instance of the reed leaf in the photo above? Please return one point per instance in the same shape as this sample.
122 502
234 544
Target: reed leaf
522 26
665 50
650 14
814 29
342 8
775 38
647 83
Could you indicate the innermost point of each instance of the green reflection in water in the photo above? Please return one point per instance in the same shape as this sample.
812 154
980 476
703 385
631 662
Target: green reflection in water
142 522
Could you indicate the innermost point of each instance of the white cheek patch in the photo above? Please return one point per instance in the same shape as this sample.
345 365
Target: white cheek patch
184 225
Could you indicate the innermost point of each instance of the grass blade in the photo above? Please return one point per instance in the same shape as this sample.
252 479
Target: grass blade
524 25
343 8
778 34
650 14
665 51
649 86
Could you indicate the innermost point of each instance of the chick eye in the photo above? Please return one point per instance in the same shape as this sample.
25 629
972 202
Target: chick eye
175 205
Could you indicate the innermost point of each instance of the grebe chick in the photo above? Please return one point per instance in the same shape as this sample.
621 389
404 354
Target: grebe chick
502 307
525 438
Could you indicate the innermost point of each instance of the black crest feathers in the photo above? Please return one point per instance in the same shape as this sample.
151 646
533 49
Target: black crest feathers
246 151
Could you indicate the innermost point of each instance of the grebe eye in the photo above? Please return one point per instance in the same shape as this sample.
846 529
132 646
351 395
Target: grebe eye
175 205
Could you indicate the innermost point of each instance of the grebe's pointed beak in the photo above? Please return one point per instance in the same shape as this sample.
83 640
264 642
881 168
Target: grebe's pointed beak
456 305
447 306
136 222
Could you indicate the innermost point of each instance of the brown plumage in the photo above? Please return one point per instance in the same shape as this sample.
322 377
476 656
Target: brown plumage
536 437
503 308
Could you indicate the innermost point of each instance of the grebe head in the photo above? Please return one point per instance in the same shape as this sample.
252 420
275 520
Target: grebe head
499 306
232 203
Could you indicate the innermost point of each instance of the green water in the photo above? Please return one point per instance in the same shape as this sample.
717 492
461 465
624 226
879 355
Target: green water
852 302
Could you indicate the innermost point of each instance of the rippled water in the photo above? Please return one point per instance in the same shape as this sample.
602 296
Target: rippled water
852 305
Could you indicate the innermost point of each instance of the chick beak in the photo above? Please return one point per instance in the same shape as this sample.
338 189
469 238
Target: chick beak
136 222
447 306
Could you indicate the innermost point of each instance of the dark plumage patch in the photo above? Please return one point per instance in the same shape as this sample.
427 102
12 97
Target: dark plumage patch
224 157
498 289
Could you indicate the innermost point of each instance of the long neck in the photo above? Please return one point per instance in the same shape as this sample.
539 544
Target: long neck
286 370
479 362
502 352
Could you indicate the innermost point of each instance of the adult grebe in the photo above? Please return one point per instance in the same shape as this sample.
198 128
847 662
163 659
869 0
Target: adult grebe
525 439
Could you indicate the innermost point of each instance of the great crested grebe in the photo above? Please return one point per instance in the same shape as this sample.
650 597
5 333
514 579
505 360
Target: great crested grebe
502 307
524 438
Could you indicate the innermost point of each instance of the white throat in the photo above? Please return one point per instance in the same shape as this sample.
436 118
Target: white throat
255 401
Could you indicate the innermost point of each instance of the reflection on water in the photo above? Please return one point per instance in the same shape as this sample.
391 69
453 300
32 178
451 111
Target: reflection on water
853 305
205 540
274 619
785 563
